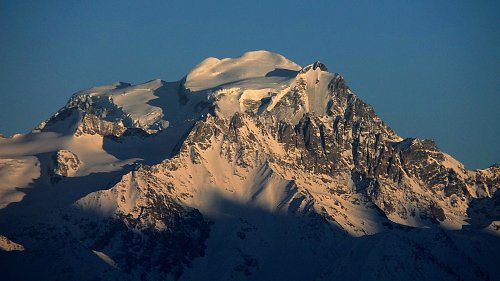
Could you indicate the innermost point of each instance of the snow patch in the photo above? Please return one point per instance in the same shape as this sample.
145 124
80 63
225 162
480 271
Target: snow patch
8 245
105 258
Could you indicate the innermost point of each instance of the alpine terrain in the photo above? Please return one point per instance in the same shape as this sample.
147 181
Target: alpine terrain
249 168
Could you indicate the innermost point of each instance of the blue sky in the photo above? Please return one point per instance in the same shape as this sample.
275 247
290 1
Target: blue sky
430 68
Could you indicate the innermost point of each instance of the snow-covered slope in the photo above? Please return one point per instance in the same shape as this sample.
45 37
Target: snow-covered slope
249 168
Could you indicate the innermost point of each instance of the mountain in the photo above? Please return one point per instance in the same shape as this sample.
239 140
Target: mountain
248 168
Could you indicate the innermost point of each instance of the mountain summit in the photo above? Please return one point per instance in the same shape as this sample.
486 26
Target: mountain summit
248 168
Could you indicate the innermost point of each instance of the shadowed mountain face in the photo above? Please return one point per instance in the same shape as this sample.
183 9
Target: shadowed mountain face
250 168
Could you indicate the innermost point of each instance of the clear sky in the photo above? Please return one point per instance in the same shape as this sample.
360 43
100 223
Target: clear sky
430 68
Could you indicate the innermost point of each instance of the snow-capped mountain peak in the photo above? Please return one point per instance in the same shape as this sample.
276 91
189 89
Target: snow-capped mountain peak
249 168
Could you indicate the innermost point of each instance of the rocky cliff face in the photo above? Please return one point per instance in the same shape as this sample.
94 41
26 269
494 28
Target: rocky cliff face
249 168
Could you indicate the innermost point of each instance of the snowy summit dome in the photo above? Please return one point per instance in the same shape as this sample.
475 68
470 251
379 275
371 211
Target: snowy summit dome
213 72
